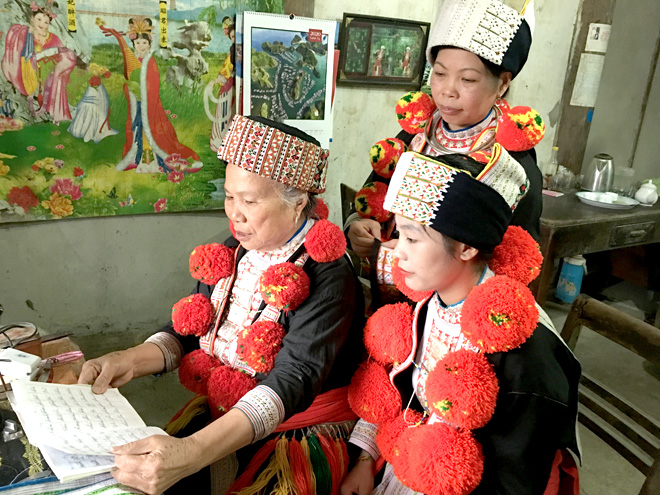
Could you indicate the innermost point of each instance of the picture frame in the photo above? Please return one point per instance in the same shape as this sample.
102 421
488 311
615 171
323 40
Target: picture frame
382 51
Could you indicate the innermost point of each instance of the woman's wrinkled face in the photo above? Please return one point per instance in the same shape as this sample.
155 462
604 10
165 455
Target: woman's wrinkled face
141 46
426 263
463 89
261 219
40 22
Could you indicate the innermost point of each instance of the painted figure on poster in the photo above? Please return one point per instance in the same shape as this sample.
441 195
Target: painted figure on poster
151 140
91 120
377 69
405 63
28 49
224 109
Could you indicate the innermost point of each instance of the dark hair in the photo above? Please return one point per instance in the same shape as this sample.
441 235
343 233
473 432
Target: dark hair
460 162
451 246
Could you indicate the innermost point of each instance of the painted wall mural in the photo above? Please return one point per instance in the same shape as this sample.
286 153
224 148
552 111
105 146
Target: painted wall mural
114 108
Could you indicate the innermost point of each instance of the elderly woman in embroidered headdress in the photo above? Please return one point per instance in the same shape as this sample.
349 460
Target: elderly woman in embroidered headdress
475 49
268 340
474 391
27 50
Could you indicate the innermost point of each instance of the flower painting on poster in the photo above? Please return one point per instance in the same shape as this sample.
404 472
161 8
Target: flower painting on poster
114 108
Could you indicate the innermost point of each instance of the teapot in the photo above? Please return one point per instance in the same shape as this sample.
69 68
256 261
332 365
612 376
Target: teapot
647 194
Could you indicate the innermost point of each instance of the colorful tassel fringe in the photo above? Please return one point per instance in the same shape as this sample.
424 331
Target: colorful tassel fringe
314 465
195 407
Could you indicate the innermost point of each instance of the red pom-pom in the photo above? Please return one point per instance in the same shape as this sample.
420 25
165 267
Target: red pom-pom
499 314
462 389
389 433
225 387
321 210
211 262
284 286
369 202
371 395
192 315
414 111
454 465
400 281
385 154
195 369
325 242
259 343
519 129
388 333
518 256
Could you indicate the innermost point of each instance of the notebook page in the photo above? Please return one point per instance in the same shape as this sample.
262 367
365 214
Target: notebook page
52 410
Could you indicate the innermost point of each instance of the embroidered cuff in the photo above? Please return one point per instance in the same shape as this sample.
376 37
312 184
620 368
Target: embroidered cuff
364 436
170 347
264 409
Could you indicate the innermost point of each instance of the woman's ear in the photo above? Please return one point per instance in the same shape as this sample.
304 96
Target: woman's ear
467 253
505 82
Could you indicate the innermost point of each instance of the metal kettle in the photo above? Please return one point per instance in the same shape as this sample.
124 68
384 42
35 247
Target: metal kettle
600 174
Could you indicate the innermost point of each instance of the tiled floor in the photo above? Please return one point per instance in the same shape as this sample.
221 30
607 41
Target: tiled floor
603 471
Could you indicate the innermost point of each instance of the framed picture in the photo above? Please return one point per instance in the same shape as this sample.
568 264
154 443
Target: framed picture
382 51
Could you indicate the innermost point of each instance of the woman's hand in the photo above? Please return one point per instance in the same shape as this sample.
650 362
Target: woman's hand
118 368
154 464
362 234
361 478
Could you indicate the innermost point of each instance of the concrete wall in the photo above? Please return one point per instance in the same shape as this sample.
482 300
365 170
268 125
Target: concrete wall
104 275
627 73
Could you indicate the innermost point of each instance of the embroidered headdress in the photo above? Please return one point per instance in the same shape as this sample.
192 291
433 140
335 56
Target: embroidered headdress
495 30
438 193
276 151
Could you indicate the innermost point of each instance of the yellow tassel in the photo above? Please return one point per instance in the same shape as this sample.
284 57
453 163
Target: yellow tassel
305 447
29 76
266 475
194 408
285 483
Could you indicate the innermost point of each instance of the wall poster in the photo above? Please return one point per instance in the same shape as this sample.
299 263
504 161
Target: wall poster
114 108
289 71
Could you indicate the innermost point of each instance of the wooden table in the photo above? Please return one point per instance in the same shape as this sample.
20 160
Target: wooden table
570 227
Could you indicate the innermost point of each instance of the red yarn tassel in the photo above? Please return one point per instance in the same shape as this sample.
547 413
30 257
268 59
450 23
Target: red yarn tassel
247 478
300 467
333 462
342 451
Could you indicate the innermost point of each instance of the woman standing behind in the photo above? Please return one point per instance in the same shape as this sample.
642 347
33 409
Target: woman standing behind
472 70
475 50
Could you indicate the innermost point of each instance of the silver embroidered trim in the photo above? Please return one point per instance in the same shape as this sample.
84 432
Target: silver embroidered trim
170 347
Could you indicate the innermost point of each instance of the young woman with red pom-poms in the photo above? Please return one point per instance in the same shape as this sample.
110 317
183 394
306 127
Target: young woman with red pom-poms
476 393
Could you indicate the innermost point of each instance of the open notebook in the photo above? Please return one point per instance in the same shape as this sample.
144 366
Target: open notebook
74 428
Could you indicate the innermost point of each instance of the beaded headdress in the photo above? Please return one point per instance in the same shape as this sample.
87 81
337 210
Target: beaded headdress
497 31
275 151
437 192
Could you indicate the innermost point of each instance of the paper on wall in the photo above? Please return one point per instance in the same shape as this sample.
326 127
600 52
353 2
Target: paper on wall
587 80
